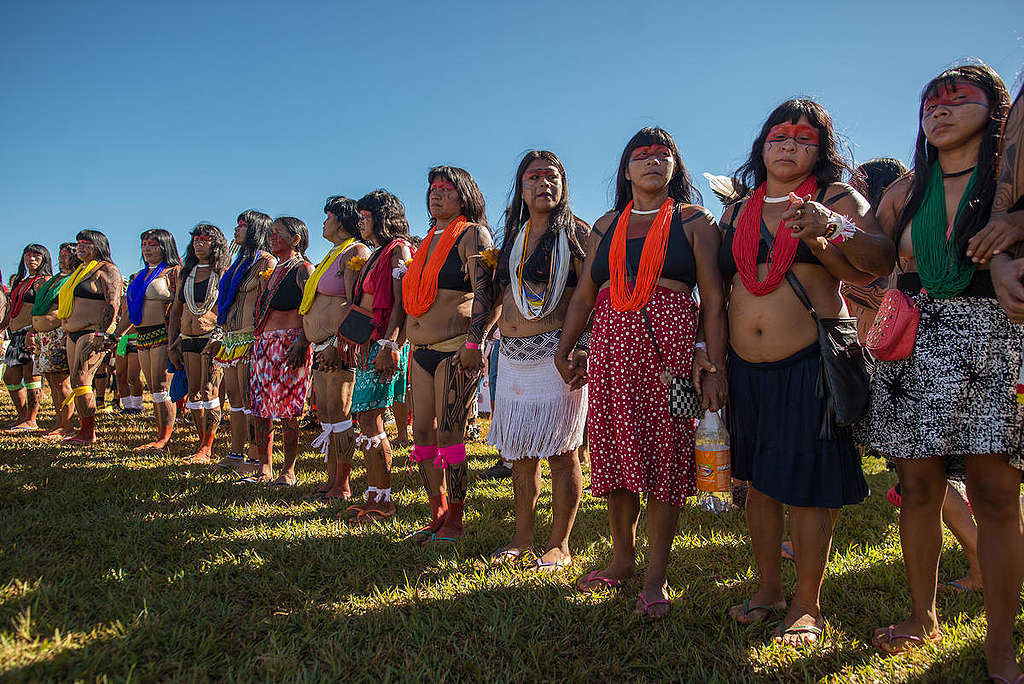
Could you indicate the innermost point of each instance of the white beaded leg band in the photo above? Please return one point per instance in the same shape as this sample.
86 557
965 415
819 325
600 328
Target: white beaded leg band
161 397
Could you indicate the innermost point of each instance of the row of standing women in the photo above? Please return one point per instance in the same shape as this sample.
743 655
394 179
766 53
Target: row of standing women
595 322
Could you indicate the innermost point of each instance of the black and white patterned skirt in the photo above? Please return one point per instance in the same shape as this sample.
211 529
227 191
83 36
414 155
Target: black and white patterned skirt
955 395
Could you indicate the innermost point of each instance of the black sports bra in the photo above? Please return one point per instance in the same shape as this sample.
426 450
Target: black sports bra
288 295
680 264
727 262
451 276
83 293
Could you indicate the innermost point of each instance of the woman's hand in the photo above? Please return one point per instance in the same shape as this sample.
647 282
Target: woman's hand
1001 233
297 353
471 361
211 348
175 355
386 363
327 359
709 381
805 219
1007 277
30 343
573 368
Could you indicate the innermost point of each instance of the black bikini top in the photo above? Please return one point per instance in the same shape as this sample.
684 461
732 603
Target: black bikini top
199 290
83 293
727 262
540 276
451 276
288 295
680 264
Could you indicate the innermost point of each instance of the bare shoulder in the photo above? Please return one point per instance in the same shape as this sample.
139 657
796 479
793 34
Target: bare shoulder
844 198
697 216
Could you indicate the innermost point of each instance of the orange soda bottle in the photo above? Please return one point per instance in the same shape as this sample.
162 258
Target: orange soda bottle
714 465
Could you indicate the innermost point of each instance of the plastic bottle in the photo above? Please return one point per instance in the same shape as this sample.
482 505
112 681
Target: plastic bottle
714 465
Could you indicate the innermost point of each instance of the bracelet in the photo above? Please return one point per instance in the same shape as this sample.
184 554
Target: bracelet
388 343
700 345
839 228
472 345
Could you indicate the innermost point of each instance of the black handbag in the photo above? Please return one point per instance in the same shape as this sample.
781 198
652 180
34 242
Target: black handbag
844 380
356 326
683 400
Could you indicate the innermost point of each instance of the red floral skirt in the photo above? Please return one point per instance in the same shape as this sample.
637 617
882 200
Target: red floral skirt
277 390
634 443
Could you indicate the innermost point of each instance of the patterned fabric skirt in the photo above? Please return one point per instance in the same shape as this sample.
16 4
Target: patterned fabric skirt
51 352
151 336
634 443
16 354
535 415
955 394
236 346
372 392
278 390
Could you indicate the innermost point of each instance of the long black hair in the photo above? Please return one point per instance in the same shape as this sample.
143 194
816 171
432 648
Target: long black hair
831 164
873 177
296 227
45 268
99 241
979 204
389 221
257 234
218 250
680 186
470 197
538 265
168 248
344 209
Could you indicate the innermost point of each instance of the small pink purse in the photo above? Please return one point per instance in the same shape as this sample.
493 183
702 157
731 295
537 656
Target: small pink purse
892 335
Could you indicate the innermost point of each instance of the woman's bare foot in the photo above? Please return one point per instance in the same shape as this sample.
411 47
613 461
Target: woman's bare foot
653 602
23 426
962 585
905 636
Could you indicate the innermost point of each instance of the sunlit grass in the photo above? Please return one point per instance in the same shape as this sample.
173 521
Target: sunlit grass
120 565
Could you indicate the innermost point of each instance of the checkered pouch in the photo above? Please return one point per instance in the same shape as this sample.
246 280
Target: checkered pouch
683 400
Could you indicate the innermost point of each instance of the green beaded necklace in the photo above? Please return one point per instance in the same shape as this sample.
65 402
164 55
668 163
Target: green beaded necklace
943 274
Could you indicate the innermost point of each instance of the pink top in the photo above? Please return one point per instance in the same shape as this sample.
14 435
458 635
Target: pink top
332 282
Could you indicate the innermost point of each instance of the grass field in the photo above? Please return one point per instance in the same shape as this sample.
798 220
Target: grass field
116 566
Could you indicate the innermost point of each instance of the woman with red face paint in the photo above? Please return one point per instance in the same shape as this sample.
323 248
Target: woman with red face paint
87 306
50 342
148 298
447 294
644 260
799 219
952 402
193 317
22 379
381 365
282 361
535 415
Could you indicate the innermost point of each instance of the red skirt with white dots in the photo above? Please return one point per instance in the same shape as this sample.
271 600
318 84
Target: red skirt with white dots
634 443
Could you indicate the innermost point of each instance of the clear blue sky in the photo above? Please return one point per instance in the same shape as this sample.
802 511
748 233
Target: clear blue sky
124 116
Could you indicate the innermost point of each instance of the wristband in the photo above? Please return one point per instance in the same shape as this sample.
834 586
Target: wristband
388 343
472 345
839 228
700 345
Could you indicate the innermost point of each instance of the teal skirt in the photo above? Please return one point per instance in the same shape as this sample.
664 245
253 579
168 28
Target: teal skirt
371 392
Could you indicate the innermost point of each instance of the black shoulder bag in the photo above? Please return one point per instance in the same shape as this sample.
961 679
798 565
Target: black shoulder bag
683 400
843 381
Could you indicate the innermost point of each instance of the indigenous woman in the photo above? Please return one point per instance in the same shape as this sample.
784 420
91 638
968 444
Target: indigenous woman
149 297
50 343
643 261
952 401
382 367
22 379
324 296
128 372
447 294
192 319
231 340
281 357
870 179
87 306
534 414
822 232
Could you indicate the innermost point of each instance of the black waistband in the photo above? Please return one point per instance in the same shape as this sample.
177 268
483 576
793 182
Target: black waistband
980 285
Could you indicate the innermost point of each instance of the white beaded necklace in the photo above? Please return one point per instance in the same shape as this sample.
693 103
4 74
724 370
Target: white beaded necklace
776 200
645 213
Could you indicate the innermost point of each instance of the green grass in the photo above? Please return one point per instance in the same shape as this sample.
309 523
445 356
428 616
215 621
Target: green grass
117 566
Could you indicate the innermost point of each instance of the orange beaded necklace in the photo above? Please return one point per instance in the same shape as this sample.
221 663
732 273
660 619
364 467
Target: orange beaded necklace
652 259
419 286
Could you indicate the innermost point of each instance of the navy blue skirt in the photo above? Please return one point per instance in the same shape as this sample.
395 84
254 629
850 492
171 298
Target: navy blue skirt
775 418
